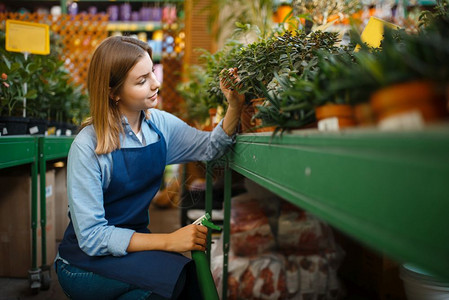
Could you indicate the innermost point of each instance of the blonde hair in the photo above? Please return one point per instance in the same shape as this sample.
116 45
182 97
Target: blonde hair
108 68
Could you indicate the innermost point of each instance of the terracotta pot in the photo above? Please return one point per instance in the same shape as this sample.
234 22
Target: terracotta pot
246 122
363 114
419 97
282 12
343 112
258 122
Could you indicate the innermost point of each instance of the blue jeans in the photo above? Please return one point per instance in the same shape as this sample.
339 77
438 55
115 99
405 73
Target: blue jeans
84 285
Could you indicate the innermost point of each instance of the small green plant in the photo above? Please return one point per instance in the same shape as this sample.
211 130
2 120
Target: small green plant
194 91
214 64
16 72
290 107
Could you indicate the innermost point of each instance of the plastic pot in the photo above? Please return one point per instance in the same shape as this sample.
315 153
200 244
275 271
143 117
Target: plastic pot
14 125
335 116
408 105
419 284
363 114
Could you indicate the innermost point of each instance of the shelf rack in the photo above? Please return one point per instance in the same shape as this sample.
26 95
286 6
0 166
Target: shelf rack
388 190
37 151
16 151
134 26
50 148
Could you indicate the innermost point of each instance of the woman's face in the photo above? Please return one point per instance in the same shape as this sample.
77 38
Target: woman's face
139 91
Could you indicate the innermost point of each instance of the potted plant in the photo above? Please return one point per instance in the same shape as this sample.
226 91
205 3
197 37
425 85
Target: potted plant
15 71
288 107
290 90
411 71
195 93
342 89
50 93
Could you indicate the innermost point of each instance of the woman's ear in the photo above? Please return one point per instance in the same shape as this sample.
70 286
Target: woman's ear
112 96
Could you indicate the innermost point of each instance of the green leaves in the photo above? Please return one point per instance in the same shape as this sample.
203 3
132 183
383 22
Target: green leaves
50 94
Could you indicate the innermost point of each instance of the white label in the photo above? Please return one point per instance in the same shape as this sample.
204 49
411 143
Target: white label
34 130
329 124
48 191
5 131
409 121
68 132
58 132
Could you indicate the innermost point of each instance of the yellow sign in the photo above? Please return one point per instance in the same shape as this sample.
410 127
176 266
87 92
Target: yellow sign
374 32
27 37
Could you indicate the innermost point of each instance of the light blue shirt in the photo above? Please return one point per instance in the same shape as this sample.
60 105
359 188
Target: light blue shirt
89 174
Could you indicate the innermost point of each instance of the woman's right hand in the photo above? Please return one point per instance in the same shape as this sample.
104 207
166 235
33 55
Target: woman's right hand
188 238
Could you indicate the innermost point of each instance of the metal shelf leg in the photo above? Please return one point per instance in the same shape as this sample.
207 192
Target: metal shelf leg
226 226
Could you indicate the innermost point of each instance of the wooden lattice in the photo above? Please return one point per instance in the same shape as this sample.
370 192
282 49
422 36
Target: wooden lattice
171 100
172 63
79 34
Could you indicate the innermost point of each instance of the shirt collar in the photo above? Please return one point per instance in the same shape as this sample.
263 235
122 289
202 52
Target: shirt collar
145 116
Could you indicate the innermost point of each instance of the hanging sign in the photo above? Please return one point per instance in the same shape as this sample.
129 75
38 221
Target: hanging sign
27 37
373 33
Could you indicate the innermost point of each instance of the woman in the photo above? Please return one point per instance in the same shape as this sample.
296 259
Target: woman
115 168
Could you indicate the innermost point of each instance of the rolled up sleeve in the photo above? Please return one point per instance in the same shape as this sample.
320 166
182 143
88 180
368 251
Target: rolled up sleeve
186 143
85 195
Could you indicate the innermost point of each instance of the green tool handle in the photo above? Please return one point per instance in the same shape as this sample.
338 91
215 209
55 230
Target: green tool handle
205 280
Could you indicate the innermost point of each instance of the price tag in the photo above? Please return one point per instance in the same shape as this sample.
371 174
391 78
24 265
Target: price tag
412 120
27 37
373 33
329 124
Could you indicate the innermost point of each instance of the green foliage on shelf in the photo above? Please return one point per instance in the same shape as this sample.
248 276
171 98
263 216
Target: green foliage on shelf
214 64
15 71
283 54
51 94
296 72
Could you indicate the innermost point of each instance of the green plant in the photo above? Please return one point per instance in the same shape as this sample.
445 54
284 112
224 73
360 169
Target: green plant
405 57
285 54
340 79
435 19
214 64
290 107
229 13
50 93
194 91
288 78
17 71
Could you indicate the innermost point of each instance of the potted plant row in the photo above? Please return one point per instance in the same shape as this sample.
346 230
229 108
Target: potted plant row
293 80
52 99
399 85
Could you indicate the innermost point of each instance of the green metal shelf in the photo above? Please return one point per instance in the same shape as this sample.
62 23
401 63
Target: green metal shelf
34 150
387 190
15 151
22 150
50 148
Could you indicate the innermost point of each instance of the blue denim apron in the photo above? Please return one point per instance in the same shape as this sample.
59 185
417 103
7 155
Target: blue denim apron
136 178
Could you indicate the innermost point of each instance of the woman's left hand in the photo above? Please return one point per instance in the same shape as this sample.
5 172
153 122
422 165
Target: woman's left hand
234 98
